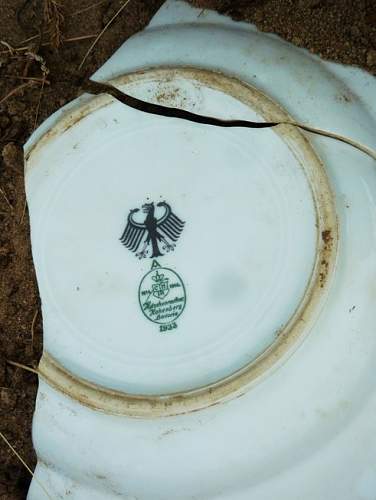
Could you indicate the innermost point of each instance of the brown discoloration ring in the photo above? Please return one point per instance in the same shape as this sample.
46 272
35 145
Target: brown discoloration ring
292 334
68 120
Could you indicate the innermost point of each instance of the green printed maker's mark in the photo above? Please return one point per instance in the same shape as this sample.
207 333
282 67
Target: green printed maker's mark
162 296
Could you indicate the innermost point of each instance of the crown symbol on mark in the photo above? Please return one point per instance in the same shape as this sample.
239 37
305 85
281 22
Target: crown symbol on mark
158 277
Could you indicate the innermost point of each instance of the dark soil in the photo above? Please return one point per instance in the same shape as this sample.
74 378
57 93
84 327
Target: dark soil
342 30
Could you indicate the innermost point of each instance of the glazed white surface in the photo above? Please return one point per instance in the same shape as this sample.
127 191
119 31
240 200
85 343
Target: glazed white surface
307 430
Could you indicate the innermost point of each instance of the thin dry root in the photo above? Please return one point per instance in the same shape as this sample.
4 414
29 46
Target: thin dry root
103 31
17 89
54 19
33 326
23 367
3 194
24 463
39 59
11 49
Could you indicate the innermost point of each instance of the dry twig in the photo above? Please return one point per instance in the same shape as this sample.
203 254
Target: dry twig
23 212
24 464
18 49
34 79
54 18
92 6
8 46
39 59
33 326
103 31
39 101
24 367
6 199
16 90
78 38
34 37
45 44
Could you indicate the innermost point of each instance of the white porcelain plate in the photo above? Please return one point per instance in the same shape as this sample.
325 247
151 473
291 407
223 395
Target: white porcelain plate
179 264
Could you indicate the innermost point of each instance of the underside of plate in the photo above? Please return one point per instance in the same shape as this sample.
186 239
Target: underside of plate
181 314
179 264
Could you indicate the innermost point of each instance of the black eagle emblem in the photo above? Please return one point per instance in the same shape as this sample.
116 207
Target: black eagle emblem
144 238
